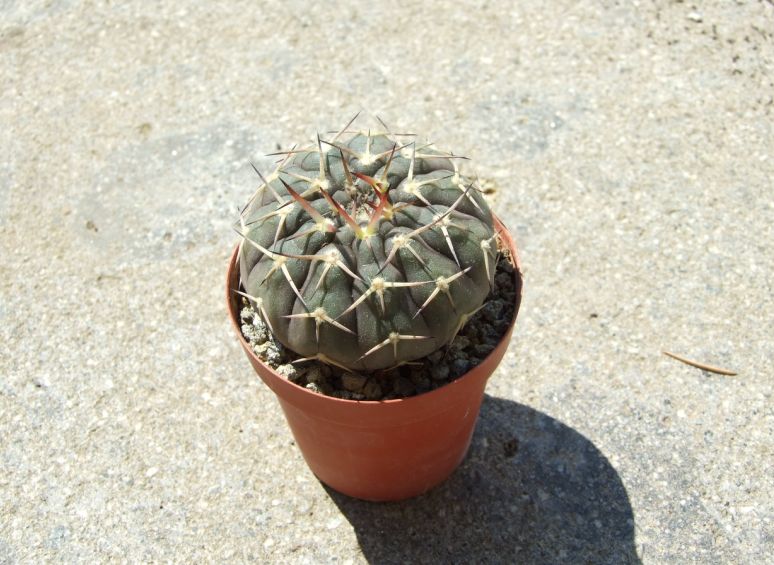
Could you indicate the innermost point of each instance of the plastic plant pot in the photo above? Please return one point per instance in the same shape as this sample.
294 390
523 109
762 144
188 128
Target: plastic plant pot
381 450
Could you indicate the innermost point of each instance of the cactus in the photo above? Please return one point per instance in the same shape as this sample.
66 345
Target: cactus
366 252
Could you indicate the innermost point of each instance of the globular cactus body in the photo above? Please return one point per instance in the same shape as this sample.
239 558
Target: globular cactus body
366 253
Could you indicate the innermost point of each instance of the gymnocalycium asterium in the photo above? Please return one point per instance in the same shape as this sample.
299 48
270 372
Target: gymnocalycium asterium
367 250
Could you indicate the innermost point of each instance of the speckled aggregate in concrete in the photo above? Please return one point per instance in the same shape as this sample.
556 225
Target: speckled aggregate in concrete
632 146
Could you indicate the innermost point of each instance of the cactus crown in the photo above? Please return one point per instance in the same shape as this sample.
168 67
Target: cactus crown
366 251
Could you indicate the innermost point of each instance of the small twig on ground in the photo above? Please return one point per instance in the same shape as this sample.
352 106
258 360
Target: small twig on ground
702 366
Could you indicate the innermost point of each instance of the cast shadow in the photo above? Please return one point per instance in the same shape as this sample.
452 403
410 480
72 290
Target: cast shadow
531 490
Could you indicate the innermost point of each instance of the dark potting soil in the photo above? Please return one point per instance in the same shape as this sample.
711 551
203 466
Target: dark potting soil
473 343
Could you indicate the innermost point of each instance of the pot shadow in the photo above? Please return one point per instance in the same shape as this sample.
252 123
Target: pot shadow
531 490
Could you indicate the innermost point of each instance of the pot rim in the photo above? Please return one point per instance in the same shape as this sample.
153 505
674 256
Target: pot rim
425 396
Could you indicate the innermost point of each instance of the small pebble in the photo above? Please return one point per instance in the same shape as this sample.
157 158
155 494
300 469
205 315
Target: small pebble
260 331
471 331
439 372
420 381
503 279
353 382
274 353
288 371
460 367
314 375
435 357
372 390
404 387
492 310
424 386
461 342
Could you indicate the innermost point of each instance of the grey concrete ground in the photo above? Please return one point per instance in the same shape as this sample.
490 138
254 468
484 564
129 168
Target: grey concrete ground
633 149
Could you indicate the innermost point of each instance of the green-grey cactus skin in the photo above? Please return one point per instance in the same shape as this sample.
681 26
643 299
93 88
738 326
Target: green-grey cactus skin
366 253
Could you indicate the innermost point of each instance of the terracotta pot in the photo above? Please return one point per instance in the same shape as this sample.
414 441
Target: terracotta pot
381 450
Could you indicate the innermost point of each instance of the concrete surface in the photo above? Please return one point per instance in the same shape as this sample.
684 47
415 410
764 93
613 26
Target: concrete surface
633 148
